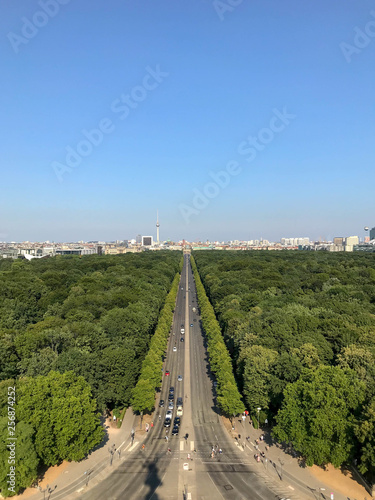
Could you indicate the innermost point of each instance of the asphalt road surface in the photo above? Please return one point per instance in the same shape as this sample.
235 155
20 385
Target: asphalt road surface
156 474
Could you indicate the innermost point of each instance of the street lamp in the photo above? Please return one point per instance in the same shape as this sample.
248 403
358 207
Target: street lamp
258 409
44 491
50 491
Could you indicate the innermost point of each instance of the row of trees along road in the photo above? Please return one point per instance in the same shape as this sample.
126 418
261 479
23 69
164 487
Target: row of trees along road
150 379
73 335
228 396
300 328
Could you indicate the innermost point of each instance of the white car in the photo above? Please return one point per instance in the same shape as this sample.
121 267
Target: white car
170 405
168 414
179 378
182 331
174 349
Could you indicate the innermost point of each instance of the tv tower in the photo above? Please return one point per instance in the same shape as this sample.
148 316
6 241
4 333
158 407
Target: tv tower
157 227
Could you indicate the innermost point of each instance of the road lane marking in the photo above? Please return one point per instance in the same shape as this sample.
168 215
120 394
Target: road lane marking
182 445
191 445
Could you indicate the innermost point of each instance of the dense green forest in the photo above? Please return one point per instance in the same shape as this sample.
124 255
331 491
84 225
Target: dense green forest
300 327
73 335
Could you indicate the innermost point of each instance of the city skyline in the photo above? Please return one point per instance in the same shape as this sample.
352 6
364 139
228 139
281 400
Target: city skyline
252 121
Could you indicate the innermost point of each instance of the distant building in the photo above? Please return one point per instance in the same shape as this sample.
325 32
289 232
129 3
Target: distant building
147 241
364 247
138 239
338 240
372 233
9 253
350 241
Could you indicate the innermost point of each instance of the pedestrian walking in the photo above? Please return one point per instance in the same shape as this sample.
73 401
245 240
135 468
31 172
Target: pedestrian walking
143 447
220 451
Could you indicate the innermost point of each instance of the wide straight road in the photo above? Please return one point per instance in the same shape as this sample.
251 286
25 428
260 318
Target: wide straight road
158 474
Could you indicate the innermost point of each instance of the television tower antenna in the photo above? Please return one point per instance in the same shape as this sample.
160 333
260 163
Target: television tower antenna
157 227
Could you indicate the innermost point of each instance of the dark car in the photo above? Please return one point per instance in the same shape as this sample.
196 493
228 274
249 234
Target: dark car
177 421
167 422
170 398
161 403
182 325
171 389
182 339
175 431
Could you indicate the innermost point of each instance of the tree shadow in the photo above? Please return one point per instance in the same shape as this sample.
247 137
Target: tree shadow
355 475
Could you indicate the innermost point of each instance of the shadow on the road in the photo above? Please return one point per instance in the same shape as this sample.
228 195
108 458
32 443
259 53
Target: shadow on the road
153 481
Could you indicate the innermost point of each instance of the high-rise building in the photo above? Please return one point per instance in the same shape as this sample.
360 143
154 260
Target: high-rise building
350 241
147 241
138 239
338 240
372 233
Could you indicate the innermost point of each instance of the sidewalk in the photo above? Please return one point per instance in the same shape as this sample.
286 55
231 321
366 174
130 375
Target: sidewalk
312 482
70 479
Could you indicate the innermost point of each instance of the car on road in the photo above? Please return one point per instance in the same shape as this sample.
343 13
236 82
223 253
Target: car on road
167 373
171 389
169 414
180 411
170 397
182 339
177 421
175 431
182 325
161 403
170 405
191 324
167 422
182 331
174 349
179 378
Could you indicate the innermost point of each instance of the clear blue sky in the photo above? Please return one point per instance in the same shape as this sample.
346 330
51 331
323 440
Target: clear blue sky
221 73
